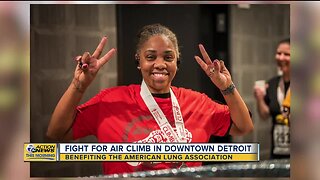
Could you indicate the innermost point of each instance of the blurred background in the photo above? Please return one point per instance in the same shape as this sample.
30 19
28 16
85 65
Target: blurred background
245 36
14 89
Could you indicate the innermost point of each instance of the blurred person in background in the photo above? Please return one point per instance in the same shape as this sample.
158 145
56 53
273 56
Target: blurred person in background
13 91
274 101
153 112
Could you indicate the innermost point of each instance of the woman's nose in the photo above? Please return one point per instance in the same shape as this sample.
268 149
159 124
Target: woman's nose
159 63
281 56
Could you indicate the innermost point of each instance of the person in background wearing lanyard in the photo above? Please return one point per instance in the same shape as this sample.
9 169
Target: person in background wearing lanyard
270 101
153 112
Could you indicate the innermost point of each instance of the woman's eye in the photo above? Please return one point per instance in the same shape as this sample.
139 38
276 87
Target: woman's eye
168 58
150 57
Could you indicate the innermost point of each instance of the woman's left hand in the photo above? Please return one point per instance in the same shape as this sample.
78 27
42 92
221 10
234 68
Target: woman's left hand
216 70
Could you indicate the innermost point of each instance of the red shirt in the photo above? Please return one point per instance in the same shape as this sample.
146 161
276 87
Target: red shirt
120 115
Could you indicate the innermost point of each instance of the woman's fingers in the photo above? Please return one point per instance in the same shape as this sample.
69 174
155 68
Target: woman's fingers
216 69
217 66
77 58
100 47
205 54
202 64
107 57
222 65
84 61
87 60
208 65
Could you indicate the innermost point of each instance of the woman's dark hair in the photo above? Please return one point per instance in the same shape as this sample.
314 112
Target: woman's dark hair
287 40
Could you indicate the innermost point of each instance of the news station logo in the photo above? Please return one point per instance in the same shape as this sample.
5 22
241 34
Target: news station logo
40 152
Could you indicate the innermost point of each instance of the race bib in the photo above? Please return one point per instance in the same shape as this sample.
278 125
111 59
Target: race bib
281 139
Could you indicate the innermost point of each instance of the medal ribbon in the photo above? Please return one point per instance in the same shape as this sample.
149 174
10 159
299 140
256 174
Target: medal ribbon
161 119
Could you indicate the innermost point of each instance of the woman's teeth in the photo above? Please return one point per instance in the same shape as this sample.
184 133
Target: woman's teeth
159 75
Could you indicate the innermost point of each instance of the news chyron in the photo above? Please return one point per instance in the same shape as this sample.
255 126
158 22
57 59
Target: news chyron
40 152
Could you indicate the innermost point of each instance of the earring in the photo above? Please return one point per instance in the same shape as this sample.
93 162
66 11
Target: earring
139 67
136 56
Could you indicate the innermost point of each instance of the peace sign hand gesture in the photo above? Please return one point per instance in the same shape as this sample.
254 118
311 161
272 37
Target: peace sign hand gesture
216 70
88 66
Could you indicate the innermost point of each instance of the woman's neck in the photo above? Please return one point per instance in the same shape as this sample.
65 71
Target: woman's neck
286 77
159 91
161 95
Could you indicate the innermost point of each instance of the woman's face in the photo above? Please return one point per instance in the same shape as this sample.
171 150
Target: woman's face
158 62
283 57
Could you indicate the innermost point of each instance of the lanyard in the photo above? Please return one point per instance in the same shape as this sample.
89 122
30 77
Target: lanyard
281 92
161 119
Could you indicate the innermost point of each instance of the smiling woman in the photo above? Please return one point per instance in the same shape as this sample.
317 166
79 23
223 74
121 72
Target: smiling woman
158 63
153 112
158 57
271 102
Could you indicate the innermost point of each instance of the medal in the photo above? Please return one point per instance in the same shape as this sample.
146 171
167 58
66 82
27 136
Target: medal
183 165
160 118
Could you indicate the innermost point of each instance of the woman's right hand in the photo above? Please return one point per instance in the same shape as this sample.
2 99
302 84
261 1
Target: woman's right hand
88 66
259 93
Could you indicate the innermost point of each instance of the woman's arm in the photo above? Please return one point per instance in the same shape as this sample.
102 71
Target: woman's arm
62 118
262 107
242 122
64 114
220 76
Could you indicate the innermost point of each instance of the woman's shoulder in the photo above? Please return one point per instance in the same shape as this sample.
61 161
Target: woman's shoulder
119 90
187 92
111 94
274 81
191 96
